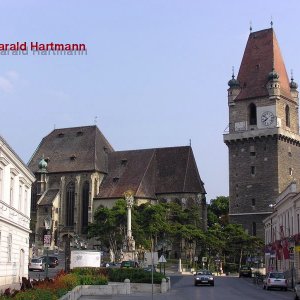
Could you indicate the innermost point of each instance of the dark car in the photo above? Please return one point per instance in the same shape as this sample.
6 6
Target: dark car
204 277
245 271
129 264
52 261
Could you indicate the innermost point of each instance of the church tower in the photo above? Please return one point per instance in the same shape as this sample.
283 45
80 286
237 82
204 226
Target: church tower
263 138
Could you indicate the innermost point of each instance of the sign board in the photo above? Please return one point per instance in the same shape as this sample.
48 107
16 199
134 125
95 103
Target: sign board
47 240
162 259
204 259
148 258
85 258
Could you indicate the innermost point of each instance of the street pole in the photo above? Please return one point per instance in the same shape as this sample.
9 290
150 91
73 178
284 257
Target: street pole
152 263
47 257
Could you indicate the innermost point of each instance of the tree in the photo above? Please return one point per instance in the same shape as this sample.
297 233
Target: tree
109 226
218 210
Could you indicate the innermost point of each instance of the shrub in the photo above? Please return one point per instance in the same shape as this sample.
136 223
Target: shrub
134 275
37 294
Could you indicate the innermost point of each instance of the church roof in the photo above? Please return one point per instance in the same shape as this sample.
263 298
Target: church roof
72 150
149 172
262 50
48 197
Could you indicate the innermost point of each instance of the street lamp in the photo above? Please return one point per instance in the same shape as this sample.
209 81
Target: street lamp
47 239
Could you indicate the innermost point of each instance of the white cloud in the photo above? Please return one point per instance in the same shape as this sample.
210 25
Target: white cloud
7 81
5 85
13 75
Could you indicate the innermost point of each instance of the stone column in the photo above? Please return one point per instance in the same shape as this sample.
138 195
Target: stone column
130 240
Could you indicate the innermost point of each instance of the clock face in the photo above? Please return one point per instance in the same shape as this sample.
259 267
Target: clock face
267 118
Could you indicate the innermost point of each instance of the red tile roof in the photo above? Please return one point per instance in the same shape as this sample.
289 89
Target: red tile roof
261 51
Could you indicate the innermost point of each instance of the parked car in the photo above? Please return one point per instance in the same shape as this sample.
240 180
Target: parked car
37 264
52 261
204 277
297 291
129 264
275 280
245 271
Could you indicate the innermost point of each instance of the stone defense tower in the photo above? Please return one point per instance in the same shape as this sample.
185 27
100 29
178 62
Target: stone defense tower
263 138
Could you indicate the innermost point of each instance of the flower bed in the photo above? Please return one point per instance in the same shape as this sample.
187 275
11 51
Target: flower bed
53 289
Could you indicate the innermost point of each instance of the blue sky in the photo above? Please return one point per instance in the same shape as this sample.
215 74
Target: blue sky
155 74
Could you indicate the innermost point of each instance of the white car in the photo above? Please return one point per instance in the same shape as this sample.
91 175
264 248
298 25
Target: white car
275 280
37 264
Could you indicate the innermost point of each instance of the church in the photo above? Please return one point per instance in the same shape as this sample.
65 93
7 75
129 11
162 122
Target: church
263 137
77 170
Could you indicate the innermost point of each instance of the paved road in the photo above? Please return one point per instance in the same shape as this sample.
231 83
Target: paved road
51 271
226 288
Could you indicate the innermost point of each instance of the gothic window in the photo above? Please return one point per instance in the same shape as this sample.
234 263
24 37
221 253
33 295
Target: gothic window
252 114
85 207
253 170
254 229
95 187
70 203
287 116
34 197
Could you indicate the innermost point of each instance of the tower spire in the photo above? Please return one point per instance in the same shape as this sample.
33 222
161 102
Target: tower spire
271 22
250 26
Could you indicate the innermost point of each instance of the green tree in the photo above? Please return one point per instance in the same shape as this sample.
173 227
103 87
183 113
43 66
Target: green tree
217 211
109 226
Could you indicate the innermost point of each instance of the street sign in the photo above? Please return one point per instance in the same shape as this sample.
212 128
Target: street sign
162 259
47 240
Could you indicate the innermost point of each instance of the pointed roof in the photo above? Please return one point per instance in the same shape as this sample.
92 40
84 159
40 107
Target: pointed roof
48 197
262 50
149 172
72 150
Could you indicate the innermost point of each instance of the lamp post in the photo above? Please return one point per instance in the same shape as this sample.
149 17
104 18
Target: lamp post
47 240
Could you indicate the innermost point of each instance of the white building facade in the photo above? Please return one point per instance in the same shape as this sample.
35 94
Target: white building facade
282 235
15 191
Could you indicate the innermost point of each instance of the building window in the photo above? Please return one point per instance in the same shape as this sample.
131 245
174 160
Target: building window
9 246
95 187
253 202
1 183
252 153
253 170
20 197
287 116
11 191
85 207
291 171
70 204
254 229
252 114
25 201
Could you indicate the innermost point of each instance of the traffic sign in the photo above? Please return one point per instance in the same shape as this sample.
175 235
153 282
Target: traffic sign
162 259
47 240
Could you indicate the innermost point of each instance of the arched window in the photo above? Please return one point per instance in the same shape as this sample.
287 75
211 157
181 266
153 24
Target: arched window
95 187
252 114
287 116
85 207
70 203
